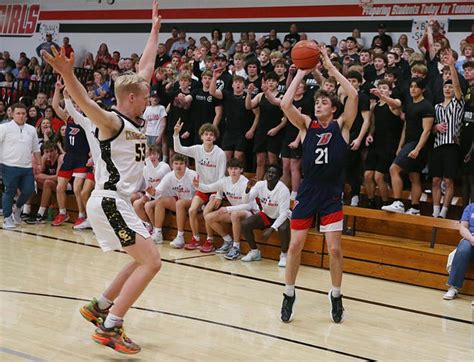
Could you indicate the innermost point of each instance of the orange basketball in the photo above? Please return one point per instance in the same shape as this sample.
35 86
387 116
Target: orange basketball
305 54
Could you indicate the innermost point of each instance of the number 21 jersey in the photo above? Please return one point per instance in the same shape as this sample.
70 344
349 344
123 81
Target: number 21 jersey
324 154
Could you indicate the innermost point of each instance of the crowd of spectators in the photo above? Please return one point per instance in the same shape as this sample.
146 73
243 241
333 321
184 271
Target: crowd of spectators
421 97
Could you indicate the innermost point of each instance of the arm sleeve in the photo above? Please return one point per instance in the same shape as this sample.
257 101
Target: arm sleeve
75 115
35 147
187 151
283 209
240 207
252 195
222 165
214 187
163 185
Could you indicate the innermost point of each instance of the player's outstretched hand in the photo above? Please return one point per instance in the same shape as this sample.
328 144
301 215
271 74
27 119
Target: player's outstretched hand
178 127
155 17
59 61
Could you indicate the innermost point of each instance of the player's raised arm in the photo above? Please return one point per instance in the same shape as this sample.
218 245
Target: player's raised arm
300 120
350 109
107 122
147 61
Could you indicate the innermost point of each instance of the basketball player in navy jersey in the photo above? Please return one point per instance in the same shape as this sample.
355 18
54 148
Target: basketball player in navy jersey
325 144
118 172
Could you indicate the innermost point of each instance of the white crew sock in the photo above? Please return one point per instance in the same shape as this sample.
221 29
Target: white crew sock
336 292
290 290
227 238
112 321
41 211
444 212
62 211
436 210
103 302
26 208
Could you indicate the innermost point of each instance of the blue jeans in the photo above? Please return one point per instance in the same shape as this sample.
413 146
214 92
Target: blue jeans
464 254
15 178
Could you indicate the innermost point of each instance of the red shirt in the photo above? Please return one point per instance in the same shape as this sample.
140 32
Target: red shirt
470 39
56 123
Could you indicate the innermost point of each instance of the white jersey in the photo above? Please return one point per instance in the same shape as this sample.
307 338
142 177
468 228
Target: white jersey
182 188
154 115
89 128
121 162
210 166
153 175
234 192
275 203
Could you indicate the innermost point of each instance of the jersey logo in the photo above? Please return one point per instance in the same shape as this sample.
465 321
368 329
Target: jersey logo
74 131
324 138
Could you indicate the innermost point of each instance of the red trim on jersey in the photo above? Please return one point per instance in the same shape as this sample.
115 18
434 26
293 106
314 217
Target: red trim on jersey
301 224
265 219
332 218
90 176
203 196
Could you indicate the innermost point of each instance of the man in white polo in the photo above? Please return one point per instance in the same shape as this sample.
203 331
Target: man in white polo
18 142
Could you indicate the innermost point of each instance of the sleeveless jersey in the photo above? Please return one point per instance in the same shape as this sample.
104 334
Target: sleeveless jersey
50 169
324 153
270 116
75 143
121 162
388 128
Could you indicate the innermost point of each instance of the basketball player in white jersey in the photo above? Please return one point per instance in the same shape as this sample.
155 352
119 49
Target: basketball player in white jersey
118 171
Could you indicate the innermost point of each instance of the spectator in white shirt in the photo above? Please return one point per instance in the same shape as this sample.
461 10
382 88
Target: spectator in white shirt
18 141
175 192
274 199
155 120
210 166
233 188
153 173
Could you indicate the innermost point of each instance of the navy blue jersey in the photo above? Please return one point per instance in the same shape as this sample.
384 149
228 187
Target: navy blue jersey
324 153
75 143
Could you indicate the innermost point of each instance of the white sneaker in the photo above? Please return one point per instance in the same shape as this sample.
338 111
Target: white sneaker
412 211
355 200
253 255
8 223
282 262
178 242
83 225
451 293
157 237
16 215
396 206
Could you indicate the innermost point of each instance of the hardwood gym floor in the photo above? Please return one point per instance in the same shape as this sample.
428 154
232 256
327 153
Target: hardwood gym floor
202 307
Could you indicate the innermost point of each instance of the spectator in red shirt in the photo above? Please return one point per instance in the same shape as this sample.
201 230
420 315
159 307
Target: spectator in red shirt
470 38
67 47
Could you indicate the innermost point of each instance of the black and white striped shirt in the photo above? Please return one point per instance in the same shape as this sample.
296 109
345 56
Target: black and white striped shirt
453 115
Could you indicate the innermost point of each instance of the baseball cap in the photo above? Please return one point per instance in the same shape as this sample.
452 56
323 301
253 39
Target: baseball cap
154 93
221 56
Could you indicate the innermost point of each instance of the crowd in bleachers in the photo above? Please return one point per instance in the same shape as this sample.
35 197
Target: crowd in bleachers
236 84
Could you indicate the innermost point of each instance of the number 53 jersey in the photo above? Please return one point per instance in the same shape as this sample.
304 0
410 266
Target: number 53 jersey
324 155
121 162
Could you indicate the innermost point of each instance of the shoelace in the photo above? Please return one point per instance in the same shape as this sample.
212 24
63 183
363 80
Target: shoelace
121 331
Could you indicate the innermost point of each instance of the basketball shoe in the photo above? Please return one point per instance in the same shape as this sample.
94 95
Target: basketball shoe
337 310
92 313
286 315
115 338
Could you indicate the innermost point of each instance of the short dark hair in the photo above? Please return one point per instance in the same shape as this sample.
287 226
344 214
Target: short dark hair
354 75
154 148
335 102
252 61
19 105
50 145
469 64
177 157
419 82
275 165
209 127
234 162
385 82
393 71
272 75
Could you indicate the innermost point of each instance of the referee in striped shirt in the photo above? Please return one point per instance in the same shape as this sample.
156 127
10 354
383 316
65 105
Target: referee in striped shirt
444 164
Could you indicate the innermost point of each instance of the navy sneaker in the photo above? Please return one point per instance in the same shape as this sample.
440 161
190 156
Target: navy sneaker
337 310
286 315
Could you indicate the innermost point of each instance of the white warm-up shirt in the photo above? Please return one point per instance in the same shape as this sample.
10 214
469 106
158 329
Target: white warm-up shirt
234 192
154 116
17 143
275 203
182 188
210 166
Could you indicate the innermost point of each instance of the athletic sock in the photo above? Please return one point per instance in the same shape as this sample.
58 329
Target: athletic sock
157 230
112 321
82 214
103 302
62 211
236 244
336 292
436 210
227 238
210 238
197 237
444 212
290 290
415 206
180 234
41 210
26 208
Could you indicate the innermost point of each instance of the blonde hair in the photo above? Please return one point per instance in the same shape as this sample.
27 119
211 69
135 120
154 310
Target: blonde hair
128 83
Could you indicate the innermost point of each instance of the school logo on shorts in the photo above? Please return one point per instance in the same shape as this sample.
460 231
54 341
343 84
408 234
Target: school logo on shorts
324 138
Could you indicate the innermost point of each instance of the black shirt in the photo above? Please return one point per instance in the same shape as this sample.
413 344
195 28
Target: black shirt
414 114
